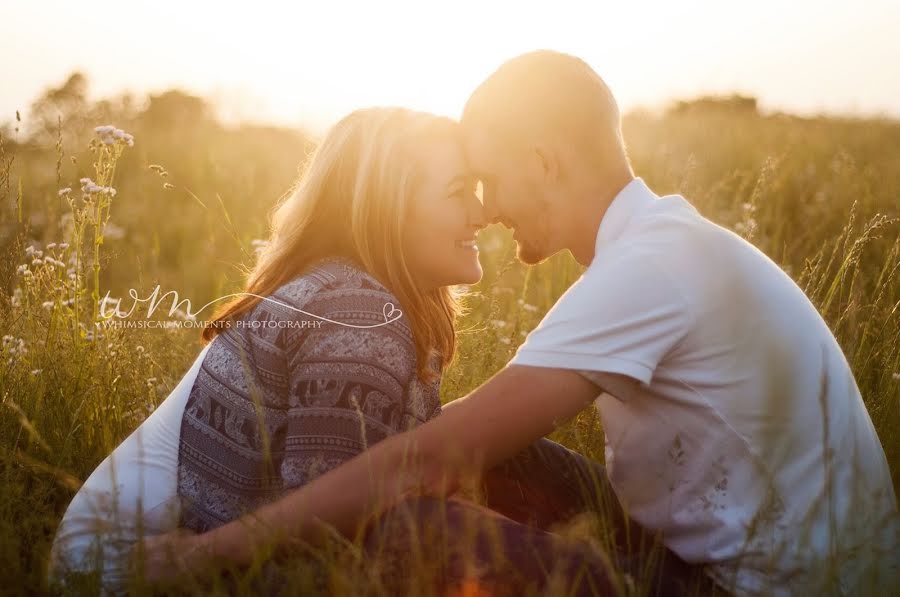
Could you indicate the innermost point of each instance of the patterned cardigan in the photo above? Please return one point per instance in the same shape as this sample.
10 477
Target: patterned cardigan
283 396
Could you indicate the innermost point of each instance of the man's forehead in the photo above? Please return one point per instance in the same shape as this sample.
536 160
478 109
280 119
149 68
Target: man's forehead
478 145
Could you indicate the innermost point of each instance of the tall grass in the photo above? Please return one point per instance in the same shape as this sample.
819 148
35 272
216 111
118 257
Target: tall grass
820 196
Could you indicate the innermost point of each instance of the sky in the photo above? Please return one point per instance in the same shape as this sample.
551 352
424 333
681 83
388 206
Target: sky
306 64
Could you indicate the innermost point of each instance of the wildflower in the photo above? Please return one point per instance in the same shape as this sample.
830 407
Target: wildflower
89 186
65 192
48 305
896 376
498 323
16 299
36 372
504 340
28 274
110 135
7 340
259 246
37 262
168 186
21 269
529 308
29 250
63 246
156 168
51 246
113 232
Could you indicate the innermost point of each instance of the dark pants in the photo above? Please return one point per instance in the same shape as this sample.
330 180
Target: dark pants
545 494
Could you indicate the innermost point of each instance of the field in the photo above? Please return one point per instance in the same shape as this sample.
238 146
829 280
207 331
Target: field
821 196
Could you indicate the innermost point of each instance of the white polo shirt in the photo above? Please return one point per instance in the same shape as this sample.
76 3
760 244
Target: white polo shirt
746 441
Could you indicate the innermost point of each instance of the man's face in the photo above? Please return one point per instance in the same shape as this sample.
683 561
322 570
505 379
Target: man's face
514 195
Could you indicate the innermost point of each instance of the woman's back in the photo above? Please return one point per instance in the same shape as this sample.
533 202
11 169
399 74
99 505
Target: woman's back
307 380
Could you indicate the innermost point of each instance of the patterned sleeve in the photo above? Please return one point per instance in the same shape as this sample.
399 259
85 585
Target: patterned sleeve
349 387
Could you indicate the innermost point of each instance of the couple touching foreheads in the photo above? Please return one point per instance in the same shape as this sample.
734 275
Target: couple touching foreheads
735 432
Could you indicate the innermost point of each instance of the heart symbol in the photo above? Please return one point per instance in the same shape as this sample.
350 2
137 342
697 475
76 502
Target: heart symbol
391 313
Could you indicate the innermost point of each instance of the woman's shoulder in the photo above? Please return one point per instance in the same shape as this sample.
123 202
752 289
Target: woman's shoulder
340 289
329 275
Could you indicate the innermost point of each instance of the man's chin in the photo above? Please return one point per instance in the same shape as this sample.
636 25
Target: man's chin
529 255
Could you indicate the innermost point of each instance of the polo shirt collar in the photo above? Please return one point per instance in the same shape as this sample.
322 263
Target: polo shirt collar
633 198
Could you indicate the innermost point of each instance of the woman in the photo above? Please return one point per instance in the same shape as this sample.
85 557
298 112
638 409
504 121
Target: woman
338 342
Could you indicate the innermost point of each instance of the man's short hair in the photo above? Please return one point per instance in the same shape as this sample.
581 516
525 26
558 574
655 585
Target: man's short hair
547 94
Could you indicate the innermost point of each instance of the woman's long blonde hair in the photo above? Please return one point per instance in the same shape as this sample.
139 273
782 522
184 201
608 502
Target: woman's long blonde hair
352 200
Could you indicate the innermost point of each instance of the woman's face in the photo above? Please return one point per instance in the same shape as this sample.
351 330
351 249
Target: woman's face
444 216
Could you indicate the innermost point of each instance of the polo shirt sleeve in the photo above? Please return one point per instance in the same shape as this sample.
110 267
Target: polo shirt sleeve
622 316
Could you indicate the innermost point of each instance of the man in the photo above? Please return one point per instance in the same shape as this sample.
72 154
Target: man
733 423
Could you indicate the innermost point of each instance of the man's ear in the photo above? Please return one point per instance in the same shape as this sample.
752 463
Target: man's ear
547 161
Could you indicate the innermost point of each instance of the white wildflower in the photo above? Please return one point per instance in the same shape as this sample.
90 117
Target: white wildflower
36 372
259 246
529 308
113 232
504 340
109 135
89 186
51 246
21 269
63 246
48 305
37 262
64 192
498 323
29 250
896 376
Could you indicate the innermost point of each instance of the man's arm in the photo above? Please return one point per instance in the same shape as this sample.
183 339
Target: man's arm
513 409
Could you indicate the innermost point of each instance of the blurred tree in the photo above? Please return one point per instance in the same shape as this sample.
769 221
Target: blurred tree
175 109
65 104
730 104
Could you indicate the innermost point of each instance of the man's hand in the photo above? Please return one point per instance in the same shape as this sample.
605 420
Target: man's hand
165 558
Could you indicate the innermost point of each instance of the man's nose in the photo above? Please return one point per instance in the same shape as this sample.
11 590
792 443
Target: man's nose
490 213
476 214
